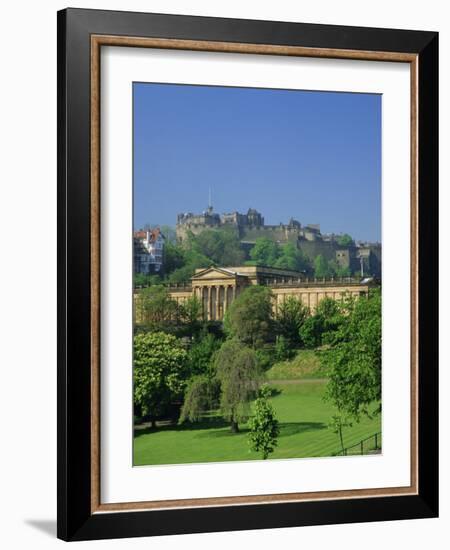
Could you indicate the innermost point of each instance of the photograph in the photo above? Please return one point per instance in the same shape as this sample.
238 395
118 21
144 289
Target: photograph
257 274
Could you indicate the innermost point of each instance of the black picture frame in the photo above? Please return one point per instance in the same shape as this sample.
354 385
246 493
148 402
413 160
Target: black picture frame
75 518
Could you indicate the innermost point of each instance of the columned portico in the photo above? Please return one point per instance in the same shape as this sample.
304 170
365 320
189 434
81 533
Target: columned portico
216 288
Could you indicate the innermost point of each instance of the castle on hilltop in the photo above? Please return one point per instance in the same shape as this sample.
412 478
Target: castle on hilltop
358 256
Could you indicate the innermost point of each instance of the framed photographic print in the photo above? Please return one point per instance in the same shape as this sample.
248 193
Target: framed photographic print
247 274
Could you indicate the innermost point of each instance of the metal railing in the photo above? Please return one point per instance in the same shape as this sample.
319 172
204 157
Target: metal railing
369 445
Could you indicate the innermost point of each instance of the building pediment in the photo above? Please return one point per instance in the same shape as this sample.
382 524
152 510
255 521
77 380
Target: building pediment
214 273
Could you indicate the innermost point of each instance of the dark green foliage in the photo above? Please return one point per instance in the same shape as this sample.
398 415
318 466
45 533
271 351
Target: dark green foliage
322 268
337 270
311 332
201 395
290 317
353 362
344 240
155 305
320 328
210 247
239 375
221 247
141 279
266 357
271 254
283 350
159 372
265 252
264 428
249 317
173 257
291 257
201 354
190 313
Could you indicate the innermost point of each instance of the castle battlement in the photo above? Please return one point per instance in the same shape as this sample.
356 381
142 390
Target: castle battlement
251 226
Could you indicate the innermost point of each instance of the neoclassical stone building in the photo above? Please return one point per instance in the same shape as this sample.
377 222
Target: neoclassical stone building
217 287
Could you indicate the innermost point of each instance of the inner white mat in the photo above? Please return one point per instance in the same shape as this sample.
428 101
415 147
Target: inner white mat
120 481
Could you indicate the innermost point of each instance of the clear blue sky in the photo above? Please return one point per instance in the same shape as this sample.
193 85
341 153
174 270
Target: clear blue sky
314 156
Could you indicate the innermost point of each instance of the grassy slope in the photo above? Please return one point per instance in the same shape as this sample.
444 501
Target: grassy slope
303 418
305 364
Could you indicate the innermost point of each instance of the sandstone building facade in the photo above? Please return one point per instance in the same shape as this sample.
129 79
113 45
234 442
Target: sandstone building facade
217 287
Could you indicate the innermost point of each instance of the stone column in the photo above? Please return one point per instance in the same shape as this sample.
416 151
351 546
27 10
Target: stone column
209 310
225 298
217 303
234 292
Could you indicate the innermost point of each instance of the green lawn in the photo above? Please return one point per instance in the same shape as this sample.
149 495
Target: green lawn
303 417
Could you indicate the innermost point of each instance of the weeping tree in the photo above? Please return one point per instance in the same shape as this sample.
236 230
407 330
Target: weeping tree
239 375
249 317
201 395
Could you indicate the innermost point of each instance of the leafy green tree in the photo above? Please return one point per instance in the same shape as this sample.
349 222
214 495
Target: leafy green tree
264 427
310 332
249 317
344 240
265 252
337 424
353 361
343 271
200 355
291 257
159 372
220 246
190 313
142 279
173 257
239 375
290 317
283 349
320 328
322 268
201 395
155 305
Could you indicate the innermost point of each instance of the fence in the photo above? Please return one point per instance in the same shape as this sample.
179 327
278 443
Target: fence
369 445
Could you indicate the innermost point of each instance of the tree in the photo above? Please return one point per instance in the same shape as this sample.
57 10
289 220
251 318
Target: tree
144 279
344 240
173 257
321 327
282 350
265 252
159 372
239 375
291 257
322 268
190 313
264 428
155 305
220 246
249 317
337 424
290 317
353 362
201 354
201 395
